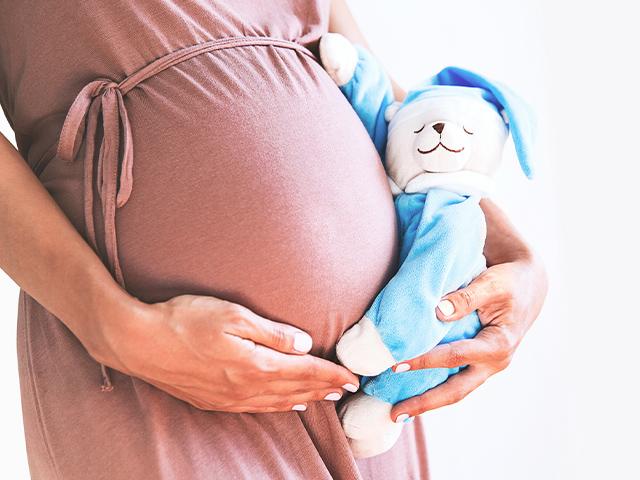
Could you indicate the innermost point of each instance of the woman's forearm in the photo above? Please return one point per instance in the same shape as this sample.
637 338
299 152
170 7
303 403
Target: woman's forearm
45 255
341 21
504 243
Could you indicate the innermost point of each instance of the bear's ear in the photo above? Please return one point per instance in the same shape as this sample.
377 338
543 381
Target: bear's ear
391 110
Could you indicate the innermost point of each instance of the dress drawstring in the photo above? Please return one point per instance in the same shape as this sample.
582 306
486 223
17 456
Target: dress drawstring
101 102
114 190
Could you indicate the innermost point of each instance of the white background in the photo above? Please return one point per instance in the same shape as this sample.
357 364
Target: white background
567 406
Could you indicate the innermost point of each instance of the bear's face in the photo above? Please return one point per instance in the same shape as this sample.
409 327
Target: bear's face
444 133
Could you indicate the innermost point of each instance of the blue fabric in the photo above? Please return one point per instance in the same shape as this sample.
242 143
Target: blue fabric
521 118
442 238
370 92
394 387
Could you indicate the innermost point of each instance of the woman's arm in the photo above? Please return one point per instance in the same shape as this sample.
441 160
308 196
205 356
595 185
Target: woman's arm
242 362
341 21
44 254
508 296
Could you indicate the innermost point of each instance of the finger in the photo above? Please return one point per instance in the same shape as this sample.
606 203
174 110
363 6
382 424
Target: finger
297 402
278 336
257 389
460 303
303 368
279 408
452 391
197 401
285 400
281 396
454 354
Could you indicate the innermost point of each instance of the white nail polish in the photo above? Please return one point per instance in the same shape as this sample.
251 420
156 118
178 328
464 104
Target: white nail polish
302 342
402 417
447 308
350 387
402 367
333 396
299 408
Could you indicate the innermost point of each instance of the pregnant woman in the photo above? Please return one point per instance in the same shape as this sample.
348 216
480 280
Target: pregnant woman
195 215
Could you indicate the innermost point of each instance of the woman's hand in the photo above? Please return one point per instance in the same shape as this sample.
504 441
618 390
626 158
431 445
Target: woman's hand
217 355
508 297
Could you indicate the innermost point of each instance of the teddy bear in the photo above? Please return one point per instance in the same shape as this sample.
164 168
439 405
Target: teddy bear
440 148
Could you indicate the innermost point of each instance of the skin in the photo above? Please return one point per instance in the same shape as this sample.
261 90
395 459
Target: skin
206 351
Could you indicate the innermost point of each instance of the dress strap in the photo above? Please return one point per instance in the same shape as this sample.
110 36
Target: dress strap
101 103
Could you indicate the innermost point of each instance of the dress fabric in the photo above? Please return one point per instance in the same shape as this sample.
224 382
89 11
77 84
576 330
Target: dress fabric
200 148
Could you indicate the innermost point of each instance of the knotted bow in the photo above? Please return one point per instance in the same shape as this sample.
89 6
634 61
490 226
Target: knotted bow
114 115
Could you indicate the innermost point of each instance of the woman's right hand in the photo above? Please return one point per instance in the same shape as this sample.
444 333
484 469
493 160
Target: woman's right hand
217 355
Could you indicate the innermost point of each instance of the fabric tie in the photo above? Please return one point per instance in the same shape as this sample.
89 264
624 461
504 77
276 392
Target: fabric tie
101 97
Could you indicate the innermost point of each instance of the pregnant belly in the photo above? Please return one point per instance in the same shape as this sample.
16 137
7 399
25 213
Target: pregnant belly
255 182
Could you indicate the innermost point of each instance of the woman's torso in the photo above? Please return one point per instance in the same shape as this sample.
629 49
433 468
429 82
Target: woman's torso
253 179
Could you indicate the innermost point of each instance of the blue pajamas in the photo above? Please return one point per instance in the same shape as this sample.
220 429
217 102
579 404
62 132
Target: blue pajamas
442 238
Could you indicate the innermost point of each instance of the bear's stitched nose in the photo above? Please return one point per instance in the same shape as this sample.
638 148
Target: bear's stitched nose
438 127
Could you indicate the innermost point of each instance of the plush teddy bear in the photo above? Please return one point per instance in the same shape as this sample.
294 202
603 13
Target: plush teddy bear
440 148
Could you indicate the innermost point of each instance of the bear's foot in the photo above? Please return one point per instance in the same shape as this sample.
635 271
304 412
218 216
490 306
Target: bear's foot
367 425
362 351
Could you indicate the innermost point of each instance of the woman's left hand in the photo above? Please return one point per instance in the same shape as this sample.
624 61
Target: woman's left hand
508 298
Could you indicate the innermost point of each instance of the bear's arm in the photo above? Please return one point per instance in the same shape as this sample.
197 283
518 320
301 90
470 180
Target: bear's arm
440 254
370 92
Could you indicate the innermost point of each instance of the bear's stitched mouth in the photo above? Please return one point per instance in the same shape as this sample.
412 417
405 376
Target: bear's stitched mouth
440 144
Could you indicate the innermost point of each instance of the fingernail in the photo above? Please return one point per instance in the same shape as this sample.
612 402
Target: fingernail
447 308
299 408
402 417
302 342
333 396
402 367
350 387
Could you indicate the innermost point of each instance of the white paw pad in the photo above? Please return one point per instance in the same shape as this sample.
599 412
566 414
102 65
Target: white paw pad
339 57
362 351
367 425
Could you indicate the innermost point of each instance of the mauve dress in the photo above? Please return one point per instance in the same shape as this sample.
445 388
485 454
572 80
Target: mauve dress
200 148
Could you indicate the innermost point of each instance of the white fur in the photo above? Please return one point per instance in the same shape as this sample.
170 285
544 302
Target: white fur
463 156
464 182
368 426
339 57
391 110
362 351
